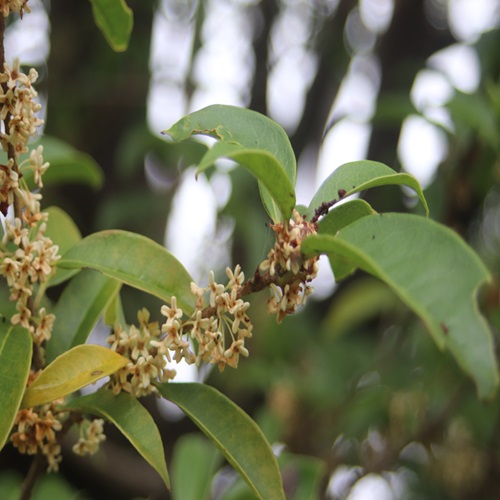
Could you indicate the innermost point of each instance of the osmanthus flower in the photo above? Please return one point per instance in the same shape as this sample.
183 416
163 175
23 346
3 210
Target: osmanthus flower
18 106
148 357
9 184
35 431
44 325
37 164
91 436
171 312
216 289
285 259
232 354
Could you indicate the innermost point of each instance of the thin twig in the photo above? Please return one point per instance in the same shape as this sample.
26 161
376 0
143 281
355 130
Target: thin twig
36 468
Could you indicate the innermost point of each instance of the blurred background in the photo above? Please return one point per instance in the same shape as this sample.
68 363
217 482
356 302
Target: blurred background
352 391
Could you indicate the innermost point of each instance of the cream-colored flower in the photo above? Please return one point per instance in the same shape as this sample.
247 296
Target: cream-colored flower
172 313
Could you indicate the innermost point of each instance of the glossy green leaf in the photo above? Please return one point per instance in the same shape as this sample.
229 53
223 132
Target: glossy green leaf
64 233
72 370
434 272
67 166
235 434
193 466
115 20
343 215
360 175
338 218
15 363
135 260
253 140
132 420
80 306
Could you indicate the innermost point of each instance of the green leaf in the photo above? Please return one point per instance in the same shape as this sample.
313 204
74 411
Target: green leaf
114 313
67 165
193 467
136 261
343 215
357 176
254 141
64 233
133 421
265 167
338 218
235 434
79 308
115 20
72 370
15 363
434 272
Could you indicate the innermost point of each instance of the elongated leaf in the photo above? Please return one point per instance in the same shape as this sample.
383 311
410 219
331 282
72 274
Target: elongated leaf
79 308
63 231
133 421
251 134
360 175
72 370
135 260
67 165
434 272
233 432
193 467
15 362
115 20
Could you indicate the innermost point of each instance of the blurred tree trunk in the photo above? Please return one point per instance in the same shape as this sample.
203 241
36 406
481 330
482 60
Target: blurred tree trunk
95 94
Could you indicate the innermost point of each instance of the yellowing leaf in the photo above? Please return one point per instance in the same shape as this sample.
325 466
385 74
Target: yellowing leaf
76 368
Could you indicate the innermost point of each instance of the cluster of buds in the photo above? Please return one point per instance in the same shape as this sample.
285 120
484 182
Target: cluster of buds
286 264
35 431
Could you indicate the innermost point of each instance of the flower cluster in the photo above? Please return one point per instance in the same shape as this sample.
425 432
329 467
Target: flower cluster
35 431
285 258
18 107
217 330
146 365
27 258
202 337
91 436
